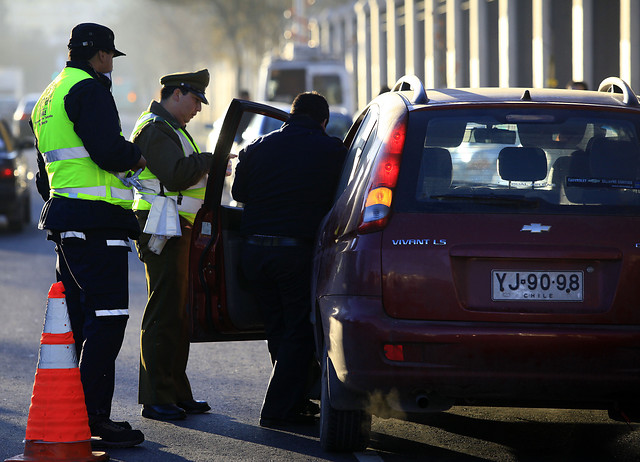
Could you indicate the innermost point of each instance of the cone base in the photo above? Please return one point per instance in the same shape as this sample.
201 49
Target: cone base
38 451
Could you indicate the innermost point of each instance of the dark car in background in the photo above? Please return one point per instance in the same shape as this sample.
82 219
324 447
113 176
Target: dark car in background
482 250
15 198
22 116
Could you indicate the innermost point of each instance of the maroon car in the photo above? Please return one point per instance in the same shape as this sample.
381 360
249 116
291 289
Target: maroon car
483 249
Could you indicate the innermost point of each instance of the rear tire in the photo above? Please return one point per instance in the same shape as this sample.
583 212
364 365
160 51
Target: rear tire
341 431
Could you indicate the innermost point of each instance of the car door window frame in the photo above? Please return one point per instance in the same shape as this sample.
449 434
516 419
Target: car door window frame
220 307
362 137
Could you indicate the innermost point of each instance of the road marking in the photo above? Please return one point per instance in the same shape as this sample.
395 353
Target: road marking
368 456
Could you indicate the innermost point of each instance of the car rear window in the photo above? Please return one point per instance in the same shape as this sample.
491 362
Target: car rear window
529 160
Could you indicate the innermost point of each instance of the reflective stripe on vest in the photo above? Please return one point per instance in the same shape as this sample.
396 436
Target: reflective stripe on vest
71 171
95 191
191 198
65 154
188 204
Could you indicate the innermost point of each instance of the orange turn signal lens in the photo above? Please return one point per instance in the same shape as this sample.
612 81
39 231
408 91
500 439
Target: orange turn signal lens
379 196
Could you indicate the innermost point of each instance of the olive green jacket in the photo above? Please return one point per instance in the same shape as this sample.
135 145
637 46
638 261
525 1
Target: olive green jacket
162 150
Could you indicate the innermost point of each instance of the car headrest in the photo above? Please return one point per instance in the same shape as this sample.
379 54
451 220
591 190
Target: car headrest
613 159
522 164
436 169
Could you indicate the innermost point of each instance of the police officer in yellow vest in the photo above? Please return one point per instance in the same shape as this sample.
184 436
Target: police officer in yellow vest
82 158
178 170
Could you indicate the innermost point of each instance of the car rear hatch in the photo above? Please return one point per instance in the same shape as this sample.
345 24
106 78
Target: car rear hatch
511 268
516 214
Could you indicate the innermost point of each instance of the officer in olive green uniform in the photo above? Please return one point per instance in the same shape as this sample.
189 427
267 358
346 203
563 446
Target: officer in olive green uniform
177 169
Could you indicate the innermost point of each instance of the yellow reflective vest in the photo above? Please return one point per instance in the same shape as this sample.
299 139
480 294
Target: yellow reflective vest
189 200
70 170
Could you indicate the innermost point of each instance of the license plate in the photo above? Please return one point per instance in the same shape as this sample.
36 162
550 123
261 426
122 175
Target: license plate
537 286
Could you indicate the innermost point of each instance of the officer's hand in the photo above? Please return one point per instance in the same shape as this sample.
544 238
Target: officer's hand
230 164
142 163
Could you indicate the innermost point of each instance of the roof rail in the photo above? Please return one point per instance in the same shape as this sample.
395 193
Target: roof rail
611 83
413 83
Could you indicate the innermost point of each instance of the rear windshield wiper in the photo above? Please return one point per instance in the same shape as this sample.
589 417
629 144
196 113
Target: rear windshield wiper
490 199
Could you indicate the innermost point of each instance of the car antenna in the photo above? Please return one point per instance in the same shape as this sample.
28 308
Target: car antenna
526 96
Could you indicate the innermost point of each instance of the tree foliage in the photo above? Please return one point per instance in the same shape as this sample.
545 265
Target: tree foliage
247 23
244 30
241 31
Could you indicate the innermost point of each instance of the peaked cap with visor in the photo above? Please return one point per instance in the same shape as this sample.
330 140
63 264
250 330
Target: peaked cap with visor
195 82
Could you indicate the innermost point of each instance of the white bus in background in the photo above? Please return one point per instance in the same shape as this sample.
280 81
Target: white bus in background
307 69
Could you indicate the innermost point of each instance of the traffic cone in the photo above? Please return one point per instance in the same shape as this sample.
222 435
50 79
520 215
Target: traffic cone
58 425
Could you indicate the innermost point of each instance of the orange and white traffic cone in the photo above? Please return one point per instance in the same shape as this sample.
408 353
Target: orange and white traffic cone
58 425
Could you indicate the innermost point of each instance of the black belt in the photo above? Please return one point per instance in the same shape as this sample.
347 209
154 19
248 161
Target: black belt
276 241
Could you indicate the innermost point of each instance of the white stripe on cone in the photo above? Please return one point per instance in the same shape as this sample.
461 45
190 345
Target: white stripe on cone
56 317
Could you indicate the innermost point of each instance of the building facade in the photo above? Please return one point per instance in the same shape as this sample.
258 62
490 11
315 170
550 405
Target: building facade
471 43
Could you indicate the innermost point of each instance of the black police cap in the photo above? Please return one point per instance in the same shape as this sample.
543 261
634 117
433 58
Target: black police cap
94 36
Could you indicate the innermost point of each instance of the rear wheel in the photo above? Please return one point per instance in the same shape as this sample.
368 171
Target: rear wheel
341 431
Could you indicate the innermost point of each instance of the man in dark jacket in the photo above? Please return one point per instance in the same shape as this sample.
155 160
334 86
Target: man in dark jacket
82 158
287 182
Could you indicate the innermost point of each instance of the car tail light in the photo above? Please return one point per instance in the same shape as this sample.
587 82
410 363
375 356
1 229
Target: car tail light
377 206
6 172
394 352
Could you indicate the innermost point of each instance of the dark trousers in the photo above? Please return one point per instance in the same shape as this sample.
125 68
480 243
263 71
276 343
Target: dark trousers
164 335
95 275
281 279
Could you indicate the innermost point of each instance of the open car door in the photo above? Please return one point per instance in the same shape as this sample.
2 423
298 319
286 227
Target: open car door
220 305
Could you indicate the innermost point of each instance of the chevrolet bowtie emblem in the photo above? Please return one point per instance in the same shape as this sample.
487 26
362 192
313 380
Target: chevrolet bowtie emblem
535 228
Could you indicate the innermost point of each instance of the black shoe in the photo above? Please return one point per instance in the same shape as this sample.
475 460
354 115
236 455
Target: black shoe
109 434
163 412
290 421
124 424
309 408
194 406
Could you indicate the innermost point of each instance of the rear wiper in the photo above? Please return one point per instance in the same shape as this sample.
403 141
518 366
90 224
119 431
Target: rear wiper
490 199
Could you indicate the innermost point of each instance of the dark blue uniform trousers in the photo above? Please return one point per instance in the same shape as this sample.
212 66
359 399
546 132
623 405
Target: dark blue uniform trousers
94 269
281 279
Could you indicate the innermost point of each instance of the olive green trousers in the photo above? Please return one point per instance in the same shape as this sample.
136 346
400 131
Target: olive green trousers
164 337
